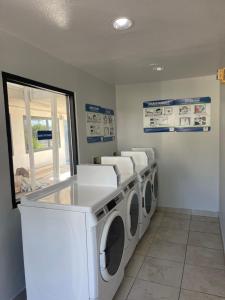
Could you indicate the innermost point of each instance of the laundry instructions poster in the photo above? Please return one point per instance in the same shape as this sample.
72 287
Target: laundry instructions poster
100 124
177 115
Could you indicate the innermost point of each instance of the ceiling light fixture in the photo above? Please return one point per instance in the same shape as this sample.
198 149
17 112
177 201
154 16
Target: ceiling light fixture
157 67
122 23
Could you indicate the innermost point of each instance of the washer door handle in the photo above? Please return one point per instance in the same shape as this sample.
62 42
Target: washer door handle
102 260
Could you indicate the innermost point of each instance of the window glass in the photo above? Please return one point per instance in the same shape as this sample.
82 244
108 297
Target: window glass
39 124
41 137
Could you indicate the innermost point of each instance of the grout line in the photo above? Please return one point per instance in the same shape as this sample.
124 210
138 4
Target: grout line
162 284
136 277
205 232
206 267
203 293
194 245
184 261
166 259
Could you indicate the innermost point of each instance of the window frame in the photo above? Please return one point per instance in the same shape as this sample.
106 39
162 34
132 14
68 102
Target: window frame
11 78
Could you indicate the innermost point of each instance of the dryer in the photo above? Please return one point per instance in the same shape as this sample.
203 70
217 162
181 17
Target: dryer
145 187
74 237
129 185
150 152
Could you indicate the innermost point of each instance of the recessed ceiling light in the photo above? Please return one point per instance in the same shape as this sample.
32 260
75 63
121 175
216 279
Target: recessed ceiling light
156 67
122 23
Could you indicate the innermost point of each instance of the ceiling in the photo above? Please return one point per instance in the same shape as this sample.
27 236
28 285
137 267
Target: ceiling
186 36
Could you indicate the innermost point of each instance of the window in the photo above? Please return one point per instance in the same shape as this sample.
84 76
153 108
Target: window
41 131
39 124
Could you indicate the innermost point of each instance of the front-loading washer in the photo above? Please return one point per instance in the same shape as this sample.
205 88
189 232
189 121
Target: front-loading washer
129 184
145 187
74 237
153 165
155 187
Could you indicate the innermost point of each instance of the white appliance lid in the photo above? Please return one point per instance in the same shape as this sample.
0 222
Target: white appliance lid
72 196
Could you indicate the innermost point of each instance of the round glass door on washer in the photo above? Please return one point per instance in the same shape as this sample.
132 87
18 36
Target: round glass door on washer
147 197
112 246
156 185
132 214
155 188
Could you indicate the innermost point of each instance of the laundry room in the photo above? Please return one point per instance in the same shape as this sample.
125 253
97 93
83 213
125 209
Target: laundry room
112 157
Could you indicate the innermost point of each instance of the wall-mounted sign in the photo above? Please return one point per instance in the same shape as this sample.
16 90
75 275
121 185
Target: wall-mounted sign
44 135
181 115
100 123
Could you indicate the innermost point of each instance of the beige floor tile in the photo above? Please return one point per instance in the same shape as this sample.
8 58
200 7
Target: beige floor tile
174 236
143 245
151 231
177 216
205 257
189 295
158 215
144 290
166 250
207 240
205 280
124 288
205 219
161 271
205 227
155 222
134 265
176 224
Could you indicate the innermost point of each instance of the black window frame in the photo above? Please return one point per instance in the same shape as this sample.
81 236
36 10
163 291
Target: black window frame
11 78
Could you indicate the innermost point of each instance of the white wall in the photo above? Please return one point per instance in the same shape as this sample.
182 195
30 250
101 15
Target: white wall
21 59
188 162
222 162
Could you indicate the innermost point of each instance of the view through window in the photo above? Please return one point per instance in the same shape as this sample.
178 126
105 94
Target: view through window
40 126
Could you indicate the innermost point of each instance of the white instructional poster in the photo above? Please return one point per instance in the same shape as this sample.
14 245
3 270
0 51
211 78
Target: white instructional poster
100 124
181 115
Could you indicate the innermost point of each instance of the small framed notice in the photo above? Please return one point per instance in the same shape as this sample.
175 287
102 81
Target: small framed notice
100 124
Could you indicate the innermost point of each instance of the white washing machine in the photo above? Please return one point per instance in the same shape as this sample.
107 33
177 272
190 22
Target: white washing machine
74 237
155 186
145 187
150 152
129 185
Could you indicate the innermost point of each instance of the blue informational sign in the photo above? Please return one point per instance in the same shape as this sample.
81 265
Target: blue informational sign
44 135
94 139
100 124
180 115
161 129
108 138
158 103
107 111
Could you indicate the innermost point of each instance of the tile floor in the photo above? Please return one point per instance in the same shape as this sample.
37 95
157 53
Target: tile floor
181 257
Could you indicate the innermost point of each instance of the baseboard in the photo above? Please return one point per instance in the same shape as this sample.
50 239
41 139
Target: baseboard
186 211
222 231
21 295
